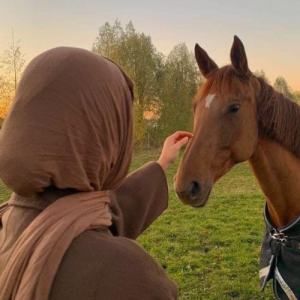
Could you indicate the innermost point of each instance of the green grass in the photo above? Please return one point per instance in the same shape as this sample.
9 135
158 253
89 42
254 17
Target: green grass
213 252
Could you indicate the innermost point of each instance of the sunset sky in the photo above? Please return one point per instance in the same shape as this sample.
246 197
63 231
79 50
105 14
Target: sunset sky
270 29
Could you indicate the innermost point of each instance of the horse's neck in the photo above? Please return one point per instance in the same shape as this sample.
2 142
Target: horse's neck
278 173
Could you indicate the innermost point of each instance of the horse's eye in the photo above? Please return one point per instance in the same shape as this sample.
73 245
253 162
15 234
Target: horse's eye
234 108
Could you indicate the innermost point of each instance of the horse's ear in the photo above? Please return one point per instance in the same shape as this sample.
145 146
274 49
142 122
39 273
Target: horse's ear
205 63
238 57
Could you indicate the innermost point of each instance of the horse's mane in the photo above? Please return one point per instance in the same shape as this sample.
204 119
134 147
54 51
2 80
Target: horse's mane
278 116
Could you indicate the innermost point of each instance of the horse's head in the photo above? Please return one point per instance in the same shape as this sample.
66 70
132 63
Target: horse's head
225 125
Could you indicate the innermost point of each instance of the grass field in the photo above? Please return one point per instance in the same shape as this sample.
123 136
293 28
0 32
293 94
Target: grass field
212 252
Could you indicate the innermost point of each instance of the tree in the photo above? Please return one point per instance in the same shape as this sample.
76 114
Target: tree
282 86
11 66
6 95
13 61
141 60
108 40
181 81
262 74
136 54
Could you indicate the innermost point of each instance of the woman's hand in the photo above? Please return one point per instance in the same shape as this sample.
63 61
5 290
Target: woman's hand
172 146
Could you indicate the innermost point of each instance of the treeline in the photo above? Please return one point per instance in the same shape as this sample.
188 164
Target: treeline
281 85
164 85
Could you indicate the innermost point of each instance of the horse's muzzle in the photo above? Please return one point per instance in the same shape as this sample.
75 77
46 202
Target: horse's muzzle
190 193
193 194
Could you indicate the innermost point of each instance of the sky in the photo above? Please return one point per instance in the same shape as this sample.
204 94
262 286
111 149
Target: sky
269 29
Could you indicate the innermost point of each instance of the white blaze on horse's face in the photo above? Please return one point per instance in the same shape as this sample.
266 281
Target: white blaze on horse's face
209 100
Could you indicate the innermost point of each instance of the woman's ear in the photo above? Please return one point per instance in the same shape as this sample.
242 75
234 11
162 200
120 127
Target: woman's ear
205 63
238 57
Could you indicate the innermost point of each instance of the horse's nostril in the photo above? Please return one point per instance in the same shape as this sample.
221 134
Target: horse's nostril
195 190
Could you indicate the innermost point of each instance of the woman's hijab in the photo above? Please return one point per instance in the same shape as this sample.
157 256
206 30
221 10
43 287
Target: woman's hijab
70 126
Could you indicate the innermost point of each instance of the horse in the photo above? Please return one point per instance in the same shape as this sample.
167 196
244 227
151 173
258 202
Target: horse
239 117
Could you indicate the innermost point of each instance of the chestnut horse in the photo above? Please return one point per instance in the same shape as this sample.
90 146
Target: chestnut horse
239 117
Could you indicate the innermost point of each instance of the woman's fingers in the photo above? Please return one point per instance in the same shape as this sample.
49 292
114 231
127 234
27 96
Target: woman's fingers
178 135
181 143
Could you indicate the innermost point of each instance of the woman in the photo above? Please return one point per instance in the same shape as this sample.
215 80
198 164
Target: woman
65 148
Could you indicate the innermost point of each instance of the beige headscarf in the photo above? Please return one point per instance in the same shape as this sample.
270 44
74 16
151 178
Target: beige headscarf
70 126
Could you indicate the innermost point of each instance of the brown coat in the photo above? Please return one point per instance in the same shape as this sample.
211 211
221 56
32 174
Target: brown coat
105 264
